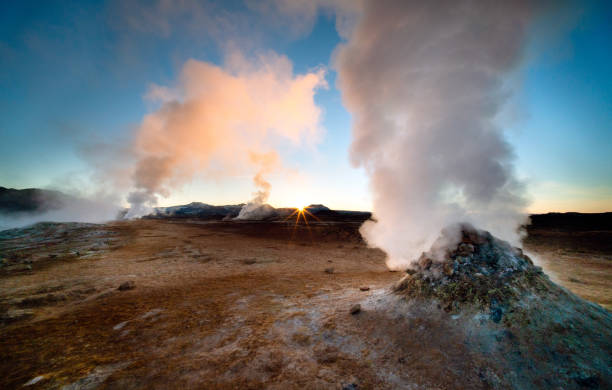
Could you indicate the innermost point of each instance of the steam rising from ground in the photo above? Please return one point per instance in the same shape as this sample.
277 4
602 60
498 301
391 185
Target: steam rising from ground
58 207
256 208
219 121
424 82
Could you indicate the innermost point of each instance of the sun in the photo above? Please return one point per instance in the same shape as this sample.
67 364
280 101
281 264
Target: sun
301 213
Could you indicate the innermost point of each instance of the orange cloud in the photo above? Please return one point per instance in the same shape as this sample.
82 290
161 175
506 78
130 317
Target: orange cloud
216 118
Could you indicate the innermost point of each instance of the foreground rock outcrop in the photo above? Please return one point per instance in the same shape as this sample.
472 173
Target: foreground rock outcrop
541 334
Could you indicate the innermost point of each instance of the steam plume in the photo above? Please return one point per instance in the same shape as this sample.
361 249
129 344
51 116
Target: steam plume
424 82
216 119
256 208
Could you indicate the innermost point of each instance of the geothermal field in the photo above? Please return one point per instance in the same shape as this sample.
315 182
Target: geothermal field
177 301
473 135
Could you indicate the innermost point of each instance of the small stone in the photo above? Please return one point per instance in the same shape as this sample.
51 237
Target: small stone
425 262
329 270
250 261
34 381
364 288
496 314
129 285
355 309
14 315
465 249
448 269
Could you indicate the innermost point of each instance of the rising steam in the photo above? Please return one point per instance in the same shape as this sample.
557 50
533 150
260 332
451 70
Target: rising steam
424 82
219 121
257 208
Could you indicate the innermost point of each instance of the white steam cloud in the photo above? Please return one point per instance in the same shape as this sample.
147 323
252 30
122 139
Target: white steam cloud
257 207
424 81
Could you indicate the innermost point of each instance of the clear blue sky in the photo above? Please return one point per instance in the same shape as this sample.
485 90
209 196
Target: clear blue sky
73 72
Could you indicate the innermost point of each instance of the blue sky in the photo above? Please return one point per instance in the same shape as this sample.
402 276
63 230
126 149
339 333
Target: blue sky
76 73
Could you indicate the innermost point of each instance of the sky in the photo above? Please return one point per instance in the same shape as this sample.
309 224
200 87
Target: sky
75 79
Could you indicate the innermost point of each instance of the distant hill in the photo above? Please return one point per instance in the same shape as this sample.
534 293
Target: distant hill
210 212
30 200
572 221
196 210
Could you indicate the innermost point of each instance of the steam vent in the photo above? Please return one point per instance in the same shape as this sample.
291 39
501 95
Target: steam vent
546 336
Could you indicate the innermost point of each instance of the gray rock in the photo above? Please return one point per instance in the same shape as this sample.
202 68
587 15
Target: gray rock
34 381
465 249
129 285
355 309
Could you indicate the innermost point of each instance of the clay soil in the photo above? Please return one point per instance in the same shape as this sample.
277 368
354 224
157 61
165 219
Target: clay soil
234 305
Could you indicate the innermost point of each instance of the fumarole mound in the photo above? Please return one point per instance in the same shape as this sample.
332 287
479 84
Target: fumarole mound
541 334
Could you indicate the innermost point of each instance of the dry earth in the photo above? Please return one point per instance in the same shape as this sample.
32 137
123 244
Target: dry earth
232 305
578 260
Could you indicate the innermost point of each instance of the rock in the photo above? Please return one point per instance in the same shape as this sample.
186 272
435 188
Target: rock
329 270
350 386
355 309
129 285
587 381
425 262
448 269
326 355
496 314
364 288
249 261
465 249
531 320
34 381
15 315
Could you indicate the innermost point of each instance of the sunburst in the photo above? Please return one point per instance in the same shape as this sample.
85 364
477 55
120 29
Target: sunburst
301 213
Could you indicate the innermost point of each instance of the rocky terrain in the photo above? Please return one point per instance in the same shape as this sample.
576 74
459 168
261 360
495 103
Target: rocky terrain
183 302
541 331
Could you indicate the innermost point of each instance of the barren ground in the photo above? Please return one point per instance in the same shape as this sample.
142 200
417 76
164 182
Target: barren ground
236 305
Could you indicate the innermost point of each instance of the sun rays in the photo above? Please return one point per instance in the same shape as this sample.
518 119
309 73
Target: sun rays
301 213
